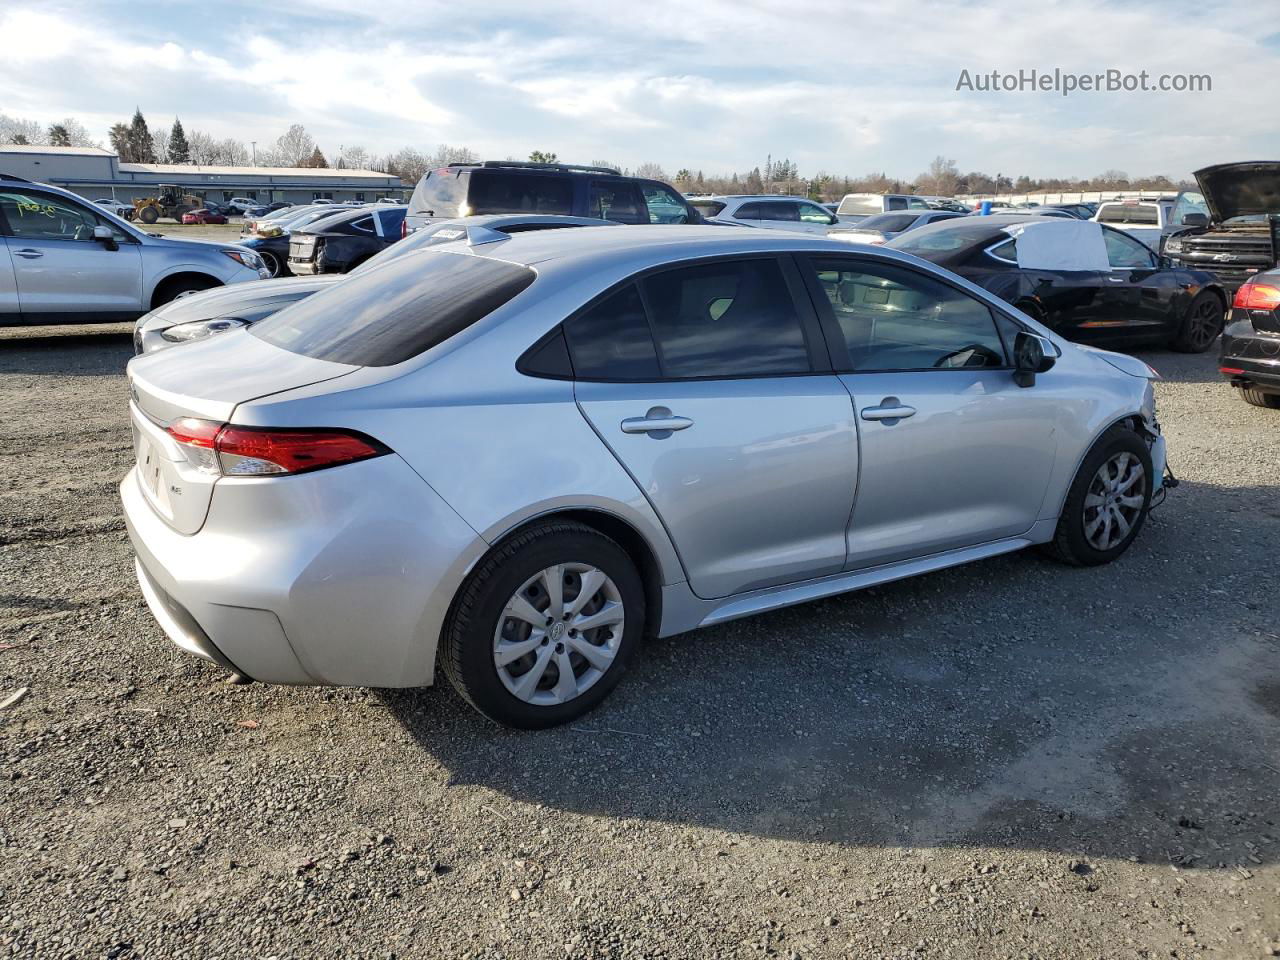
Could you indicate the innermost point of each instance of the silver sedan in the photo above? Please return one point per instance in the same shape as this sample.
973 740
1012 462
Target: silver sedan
511 461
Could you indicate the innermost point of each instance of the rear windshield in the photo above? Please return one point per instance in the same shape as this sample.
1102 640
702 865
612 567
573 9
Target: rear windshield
889 222
708 208
1128 213
946 237
861 205
388 315
439 193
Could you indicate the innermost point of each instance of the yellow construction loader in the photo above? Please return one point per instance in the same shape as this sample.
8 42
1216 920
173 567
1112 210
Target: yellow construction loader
170 203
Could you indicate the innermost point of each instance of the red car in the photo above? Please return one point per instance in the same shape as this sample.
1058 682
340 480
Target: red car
203 216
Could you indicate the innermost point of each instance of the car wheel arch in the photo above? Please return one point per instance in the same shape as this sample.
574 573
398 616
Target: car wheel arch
1131 421
161 293
611 525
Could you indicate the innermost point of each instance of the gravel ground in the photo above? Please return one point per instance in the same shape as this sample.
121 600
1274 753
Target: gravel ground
1011 759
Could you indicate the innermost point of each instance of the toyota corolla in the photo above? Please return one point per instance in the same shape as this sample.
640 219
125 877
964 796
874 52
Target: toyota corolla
510 462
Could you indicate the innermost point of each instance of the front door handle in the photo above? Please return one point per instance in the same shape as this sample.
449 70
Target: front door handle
28 253
659 423
890 410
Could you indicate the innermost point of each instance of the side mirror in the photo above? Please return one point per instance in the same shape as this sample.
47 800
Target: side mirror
104 236
1195 220
1031 355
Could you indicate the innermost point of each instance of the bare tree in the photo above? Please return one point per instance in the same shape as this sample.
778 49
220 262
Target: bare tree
13 128
651 171
294 148
205 150
942 179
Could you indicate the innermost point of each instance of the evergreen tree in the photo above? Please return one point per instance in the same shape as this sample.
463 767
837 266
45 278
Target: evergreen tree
179 149
317 159
141 147
58 136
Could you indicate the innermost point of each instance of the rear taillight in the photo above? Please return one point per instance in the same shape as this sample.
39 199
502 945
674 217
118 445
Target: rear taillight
404 229
1257 296
232 451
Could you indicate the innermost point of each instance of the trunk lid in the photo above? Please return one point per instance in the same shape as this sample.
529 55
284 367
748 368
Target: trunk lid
1240 189
207 381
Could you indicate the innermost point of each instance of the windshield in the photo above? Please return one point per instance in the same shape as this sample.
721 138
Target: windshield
1189 202
386 316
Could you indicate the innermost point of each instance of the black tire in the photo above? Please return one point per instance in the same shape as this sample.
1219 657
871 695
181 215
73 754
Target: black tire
171 291
467 641
1205 317
1260 399
148 215
1070 543
272 262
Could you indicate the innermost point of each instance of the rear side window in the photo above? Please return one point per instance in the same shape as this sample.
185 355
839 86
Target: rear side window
363 225
618 201
749 211
779 210
385 316
439 193
518 193
611 341
726 319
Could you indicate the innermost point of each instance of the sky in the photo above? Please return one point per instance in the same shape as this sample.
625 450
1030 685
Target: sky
714 85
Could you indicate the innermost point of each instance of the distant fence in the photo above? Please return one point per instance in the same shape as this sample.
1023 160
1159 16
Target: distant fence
1091 196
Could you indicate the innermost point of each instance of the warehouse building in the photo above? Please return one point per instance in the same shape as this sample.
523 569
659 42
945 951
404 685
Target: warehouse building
95 173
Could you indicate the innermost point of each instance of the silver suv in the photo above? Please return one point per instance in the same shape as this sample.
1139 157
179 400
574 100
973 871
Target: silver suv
66 260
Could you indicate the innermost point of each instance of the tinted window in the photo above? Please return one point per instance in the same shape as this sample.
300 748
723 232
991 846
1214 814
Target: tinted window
391 221
517 193
895 203
1124 251
948 238
439 193
733 318
888 222
776 210
895 319
618 201
748 211
708 208
385 316
611 341
363 225
1007 251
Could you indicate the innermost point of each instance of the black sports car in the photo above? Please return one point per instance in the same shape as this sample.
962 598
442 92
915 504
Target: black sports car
1081 279
1251 342
345 240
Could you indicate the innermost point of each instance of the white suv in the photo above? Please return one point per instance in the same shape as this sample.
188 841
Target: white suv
767 211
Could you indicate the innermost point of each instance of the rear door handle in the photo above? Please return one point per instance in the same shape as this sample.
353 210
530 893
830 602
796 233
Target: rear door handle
890 410
659 423
28 253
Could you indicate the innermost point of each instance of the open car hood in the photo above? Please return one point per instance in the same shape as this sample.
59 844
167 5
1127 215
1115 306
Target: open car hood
1239 189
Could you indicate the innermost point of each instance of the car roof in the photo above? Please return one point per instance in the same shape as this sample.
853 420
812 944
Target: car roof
655 243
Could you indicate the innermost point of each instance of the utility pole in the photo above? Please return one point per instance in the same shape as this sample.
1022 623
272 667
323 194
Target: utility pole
768 173
254 145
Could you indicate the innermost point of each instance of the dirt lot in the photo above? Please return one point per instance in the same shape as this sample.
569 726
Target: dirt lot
1011 759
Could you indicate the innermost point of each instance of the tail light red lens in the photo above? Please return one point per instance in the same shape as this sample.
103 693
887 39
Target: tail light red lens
1257 296
404 229
234 451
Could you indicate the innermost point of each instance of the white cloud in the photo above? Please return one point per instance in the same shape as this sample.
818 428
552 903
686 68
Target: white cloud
848 87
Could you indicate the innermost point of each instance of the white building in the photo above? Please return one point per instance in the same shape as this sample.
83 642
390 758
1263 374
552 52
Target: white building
94 173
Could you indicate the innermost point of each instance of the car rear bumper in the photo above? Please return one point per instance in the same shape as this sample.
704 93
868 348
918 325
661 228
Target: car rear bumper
1249 358
342 576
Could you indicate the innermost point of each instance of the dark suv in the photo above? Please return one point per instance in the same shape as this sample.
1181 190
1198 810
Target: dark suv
345 240
508 186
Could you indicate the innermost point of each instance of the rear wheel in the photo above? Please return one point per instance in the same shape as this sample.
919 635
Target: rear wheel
1107 502
542 631
1260 399
148 215
1204 320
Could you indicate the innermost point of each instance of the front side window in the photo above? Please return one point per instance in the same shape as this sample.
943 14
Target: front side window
616 201
892 319
612 341
726 319
41 216
493 192
386 316
1124 252
664 204
812 213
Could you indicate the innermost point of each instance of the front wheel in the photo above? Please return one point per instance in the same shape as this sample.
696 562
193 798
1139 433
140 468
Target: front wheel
543 629
1107 502
1204 320
272 262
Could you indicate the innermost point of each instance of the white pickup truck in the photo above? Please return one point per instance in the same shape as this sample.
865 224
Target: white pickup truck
1153 221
